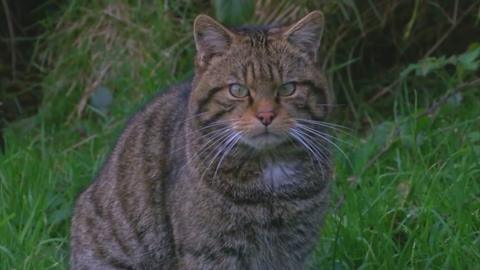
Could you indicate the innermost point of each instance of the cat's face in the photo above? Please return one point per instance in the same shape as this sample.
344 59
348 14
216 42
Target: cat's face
258 85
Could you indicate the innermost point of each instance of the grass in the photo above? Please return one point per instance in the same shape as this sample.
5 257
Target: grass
406 196
417 206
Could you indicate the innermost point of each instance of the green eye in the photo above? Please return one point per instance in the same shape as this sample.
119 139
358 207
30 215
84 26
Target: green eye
238 90
287 89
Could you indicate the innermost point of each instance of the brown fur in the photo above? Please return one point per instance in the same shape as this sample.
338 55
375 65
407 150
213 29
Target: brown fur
177 193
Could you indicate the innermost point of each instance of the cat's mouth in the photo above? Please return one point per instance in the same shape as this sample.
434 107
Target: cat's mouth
264 139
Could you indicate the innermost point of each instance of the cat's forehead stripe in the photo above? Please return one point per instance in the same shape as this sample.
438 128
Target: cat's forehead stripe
271 72
259 70
249 75
256 37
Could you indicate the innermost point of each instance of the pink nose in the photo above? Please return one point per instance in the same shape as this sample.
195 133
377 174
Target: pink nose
266 117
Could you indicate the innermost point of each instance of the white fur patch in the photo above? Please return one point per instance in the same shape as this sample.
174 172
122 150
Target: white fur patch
279 173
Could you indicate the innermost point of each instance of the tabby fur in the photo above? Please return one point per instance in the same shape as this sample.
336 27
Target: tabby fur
202 179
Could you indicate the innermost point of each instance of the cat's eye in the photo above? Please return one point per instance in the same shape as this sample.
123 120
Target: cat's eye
287 89
238 90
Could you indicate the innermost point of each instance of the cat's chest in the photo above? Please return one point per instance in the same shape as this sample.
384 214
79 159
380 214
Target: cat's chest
280 173
275 250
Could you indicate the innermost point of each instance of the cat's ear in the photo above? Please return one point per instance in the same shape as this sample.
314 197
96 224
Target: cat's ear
307 33
211 38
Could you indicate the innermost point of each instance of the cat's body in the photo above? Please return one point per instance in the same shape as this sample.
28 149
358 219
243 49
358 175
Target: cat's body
182 191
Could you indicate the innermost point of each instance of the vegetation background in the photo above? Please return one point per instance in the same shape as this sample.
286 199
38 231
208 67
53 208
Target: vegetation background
405 72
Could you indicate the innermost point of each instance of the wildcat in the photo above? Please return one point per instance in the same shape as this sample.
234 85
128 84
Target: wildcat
228 171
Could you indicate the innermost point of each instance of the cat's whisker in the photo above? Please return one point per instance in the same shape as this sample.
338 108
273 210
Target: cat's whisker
217 135
236 138
312 140
322 136
336 127
196 116
214 139
331 105
312 152
203 136
321 150
313 136
211 142
218 150
325 125
214 124
316 161
192 117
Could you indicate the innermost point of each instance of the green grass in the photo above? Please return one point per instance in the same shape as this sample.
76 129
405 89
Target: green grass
406 196
416 206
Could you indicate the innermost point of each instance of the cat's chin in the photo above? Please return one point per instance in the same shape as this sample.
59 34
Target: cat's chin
264 141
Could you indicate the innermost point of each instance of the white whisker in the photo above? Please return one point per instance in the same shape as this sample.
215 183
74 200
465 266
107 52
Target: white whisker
332 126
322 136
212 142
317 158
203 136
218 150
228 149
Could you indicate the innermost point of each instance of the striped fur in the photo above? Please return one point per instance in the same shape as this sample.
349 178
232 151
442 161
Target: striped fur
196 181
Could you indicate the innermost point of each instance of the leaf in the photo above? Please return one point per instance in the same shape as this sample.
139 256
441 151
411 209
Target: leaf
476 149
382 132
429 65
62 214
469 60
234 13
474 136
410 68
361 156
367 149
101 99
455 100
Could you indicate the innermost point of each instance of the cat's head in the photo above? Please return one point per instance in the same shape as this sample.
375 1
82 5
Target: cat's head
257 84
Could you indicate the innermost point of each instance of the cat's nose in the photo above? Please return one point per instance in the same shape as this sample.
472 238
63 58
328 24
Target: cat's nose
266 117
